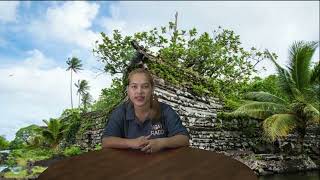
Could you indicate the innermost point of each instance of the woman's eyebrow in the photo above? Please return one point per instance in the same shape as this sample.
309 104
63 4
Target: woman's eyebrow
138 83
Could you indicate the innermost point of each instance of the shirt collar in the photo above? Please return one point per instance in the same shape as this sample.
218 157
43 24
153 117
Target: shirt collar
130 115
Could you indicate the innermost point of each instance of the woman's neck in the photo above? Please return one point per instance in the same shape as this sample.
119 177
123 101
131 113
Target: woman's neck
142 112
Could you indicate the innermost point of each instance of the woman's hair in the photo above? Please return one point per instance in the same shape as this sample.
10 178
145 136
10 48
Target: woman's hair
154 104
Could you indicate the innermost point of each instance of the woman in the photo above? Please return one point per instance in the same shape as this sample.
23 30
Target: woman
143 122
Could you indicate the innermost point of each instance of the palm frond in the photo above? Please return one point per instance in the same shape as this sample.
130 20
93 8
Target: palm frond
82 86
46 122
264 97
279 125
48 135
254 113
285 80
74 64
315 74
312 113
312 94
260 110
78 86
300 54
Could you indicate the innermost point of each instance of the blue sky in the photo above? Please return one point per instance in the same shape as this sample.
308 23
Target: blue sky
36 38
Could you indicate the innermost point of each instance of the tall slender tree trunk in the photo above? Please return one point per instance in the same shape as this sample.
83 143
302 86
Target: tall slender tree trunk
175 34
71 90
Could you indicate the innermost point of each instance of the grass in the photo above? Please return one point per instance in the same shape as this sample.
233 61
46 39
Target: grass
23 173
21 156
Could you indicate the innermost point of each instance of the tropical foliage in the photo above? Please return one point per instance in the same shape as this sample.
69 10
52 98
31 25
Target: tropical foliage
83 88
72 119
300 105
86 101
54 132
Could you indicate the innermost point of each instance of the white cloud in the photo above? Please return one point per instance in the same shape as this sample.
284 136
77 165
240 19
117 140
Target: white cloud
37 89
38 60
271 25
113 22
8 11
68 23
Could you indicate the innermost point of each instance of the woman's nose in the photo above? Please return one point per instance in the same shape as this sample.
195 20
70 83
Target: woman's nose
139 89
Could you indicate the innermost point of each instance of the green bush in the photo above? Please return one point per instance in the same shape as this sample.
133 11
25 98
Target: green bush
72 151
98 147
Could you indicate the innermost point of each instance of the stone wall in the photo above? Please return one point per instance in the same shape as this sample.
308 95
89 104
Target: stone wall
236 138
90 136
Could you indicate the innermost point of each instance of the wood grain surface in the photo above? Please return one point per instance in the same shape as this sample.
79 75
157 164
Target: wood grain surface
176 164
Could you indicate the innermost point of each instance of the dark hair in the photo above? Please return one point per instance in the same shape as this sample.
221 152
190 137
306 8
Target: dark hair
155 113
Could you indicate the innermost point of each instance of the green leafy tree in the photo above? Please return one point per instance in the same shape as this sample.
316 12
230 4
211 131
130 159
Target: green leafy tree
4 144
218 57
36 141
24 135
53 132
74 65
299 83
83 88
268 84
109 97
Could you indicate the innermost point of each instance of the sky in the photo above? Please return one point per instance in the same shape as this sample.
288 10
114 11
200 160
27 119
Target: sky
37 38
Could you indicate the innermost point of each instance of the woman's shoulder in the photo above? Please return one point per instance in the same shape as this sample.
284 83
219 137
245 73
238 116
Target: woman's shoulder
120 109
165 106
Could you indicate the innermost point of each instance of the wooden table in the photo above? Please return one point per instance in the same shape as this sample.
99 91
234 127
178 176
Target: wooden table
172 164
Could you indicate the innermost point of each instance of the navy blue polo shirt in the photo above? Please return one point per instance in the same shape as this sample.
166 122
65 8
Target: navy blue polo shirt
169 125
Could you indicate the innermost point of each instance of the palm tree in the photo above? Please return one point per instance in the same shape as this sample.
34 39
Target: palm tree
86 99
83 88
300 83
74 64
53 132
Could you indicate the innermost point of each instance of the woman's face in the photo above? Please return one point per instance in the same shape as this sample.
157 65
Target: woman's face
140 90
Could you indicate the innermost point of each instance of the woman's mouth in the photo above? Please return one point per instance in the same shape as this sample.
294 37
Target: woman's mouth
139 98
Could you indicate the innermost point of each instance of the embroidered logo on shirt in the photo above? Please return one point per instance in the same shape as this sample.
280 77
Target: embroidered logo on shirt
157 129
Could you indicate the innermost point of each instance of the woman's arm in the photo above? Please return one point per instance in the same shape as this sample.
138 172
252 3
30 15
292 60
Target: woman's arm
123 143
115 142
155 145
178 140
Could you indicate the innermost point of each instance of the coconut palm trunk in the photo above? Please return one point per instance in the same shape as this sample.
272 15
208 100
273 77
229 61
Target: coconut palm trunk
71 90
